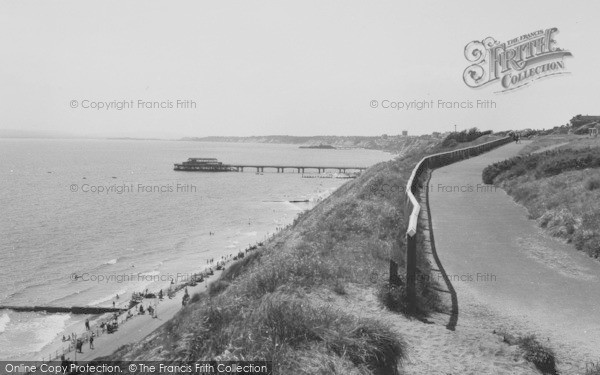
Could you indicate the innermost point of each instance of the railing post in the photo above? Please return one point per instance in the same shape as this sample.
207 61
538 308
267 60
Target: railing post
411 272
394 278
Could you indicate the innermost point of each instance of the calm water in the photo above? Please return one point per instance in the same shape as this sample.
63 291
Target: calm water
149 224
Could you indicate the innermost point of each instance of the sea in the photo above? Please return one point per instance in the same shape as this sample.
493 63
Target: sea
82 221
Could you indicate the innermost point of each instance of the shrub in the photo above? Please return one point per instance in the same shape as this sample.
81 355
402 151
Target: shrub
393 297
463 136
592 183
544 164
592 368
538 354
216 287
338 287
196 297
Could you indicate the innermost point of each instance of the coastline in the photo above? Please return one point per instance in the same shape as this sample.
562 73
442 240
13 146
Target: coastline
135 329
129 330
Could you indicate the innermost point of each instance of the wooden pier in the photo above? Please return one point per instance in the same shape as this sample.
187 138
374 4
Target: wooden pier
86 310
213 165
299 169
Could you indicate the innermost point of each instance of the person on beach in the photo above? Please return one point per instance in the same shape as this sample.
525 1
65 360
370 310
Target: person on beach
79 346
113 304
160 294
92 341
87 324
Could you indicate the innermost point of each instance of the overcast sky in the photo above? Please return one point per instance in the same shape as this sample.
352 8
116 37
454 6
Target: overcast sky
279 67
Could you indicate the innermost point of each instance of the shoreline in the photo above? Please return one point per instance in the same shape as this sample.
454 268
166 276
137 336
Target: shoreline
137 326
165 311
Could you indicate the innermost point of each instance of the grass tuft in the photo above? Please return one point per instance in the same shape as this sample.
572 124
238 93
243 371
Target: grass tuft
365 342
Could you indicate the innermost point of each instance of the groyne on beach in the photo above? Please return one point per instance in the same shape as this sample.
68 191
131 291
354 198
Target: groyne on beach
86 310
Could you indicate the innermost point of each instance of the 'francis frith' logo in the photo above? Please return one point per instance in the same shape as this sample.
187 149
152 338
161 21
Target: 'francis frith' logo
515 63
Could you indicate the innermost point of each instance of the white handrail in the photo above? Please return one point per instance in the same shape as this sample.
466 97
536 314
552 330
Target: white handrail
414 216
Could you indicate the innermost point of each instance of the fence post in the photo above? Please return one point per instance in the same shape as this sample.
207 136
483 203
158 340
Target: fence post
394 279
411 272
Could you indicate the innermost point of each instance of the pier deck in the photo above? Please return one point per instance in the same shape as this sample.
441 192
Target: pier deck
261 168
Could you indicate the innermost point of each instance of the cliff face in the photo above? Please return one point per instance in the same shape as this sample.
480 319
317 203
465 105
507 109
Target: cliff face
396 144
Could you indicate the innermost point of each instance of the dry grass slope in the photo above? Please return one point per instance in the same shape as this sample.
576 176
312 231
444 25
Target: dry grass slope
560 188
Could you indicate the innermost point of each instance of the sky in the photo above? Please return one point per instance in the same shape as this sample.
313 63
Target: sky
279 67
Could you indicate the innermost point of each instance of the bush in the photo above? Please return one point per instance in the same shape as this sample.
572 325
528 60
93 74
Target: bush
338 287
463 136
196 297
216 287
393 297
544 164
538 354
592 368
592 183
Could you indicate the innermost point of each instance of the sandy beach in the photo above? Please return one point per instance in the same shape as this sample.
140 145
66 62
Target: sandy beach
130 330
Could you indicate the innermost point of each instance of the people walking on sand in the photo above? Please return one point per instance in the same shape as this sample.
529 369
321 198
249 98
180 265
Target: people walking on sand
79 346
92 341
87 324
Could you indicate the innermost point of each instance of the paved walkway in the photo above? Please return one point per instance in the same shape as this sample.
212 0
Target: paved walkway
495 255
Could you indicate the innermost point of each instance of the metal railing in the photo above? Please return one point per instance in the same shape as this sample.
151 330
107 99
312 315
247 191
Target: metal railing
413 207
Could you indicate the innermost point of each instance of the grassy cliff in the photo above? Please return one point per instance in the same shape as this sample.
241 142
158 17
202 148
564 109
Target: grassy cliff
284 302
